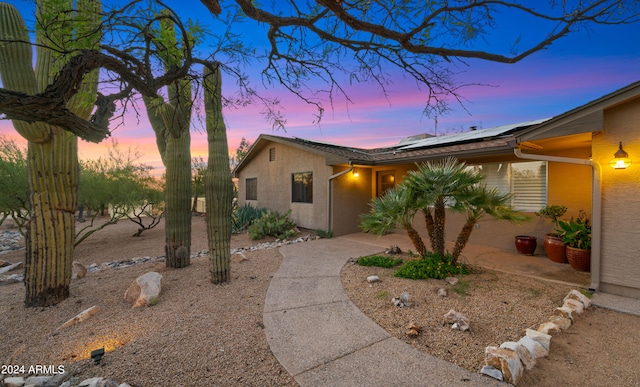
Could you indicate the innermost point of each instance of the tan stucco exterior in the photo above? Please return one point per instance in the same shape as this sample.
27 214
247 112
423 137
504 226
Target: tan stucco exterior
620 257
274 184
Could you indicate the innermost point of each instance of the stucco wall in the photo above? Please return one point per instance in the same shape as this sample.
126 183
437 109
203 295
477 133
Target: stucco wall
274 184
350 197
620 254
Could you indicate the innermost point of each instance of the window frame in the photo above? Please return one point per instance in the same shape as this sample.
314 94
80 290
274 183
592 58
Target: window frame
302 191
247 191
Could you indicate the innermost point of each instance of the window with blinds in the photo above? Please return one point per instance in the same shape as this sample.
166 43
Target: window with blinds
527 181
251 188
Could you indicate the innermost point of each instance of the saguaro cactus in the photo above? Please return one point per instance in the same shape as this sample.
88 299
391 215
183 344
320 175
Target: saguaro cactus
217 180
170 121
52 156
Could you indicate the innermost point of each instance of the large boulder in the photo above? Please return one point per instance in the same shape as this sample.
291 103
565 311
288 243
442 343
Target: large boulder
144 291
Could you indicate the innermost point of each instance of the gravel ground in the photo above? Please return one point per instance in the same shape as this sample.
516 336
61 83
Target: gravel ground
599 350
201 334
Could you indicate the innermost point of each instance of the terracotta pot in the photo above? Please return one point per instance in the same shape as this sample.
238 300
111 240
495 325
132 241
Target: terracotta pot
526 245
555 248
579 259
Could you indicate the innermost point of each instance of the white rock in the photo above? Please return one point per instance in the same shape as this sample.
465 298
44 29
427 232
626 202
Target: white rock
526 357
144 289
453 281
7 269
534 347
562 322
493 372
577 306
78 270
442 292
576 295
14 381
36 380
80 317
542 338
549 328
373 278
506 361
564 312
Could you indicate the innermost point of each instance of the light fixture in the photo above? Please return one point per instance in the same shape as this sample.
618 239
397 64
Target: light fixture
355 172
620 159
96 355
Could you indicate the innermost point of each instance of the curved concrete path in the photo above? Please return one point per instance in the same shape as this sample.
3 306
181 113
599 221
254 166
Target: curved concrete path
323 339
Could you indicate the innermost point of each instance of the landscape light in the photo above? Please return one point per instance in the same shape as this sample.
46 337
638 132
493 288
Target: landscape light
96 355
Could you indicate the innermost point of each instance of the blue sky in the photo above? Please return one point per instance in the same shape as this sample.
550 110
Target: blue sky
575 70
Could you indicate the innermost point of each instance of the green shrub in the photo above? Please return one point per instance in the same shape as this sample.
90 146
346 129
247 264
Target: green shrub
324 233
431 266
272 223
379 260
244 216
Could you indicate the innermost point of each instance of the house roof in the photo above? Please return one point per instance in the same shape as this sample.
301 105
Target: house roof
499 140
586 118
476 143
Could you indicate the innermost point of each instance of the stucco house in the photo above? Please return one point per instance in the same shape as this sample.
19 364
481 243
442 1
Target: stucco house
564 160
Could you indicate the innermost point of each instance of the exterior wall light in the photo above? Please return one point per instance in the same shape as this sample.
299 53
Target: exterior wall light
355 172
620 159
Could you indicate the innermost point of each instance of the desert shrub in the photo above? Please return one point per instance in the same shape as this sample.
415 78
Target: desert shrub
324 233
379 260
272 223
244 216
431 266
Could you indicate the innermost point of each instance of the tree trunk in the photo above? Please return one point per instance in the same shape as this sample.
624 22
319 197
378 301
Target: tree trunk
416 239
177 196
439 215
463 238
218 184
53 181
428 220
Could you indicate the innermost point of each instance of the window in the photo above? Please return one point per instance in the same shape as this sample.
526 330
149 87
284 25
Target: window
272 154
251 188
302 187
526 180
386 181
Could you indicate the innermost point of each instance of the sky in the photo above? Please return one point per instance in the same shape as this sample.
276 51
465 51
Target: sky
573 71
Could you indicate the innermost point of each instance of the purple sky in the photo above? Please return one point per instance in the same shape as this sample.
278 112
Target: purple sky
573 71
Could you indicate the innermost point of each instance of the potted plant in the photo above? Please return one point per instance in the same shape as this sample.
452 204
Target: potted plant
553 244
576 235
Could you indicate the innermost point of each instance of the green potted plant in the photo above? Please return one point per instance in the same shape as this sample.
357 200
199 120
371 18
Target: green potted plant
576 235
553 244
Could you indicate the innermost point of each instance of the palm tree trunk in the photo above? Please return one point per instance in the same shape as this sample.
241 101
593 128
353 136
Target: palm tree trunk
218 184
439 215
416 239
463 238
428 220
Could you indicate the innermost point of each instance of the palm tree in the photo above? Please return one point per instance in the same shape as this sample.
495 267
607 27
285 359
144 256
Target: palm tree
397 206
440 184
478 200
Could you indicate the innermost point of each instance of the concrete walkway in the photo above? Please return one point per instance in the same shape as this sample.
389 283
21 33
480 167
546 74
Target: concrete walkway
323 339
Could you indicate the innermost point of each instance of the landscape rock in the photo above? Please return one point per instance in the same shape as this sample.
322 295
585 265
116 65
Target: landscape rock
10 240
78 270
402 301
4 263
144 289
492 371
442 292
535 348
549 328
562 322
10 267
563 311
576 295
453 281
413 330
373 278
11 279
527 358
458 320
542 338
507 361
14 381
575 305
36 380
394 249
82 316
